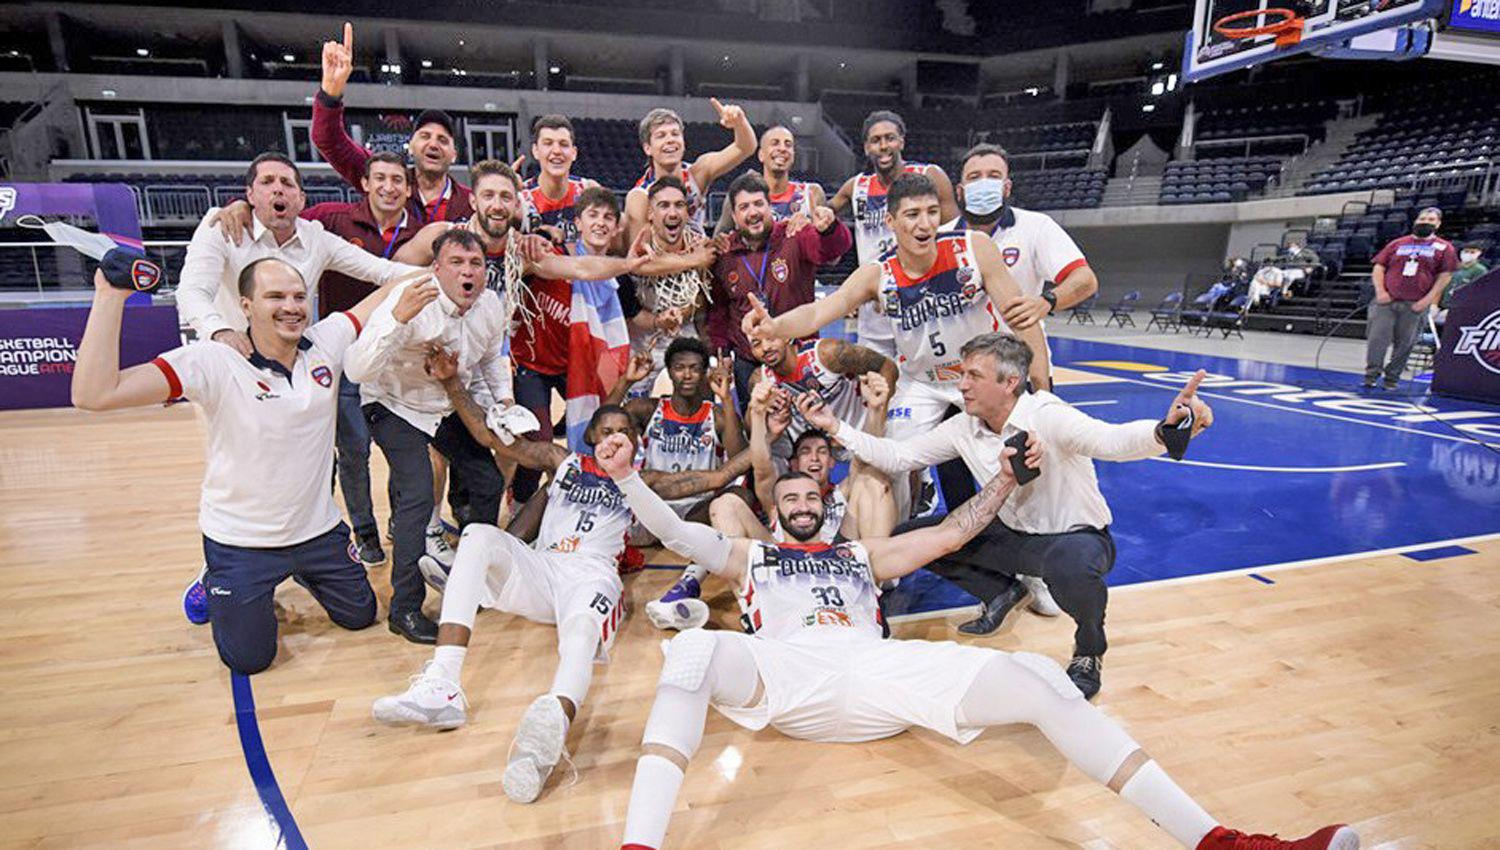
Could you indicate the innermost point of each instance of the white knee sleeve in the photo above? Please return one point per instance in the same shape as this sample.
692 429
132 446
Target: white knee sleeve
700 666
479 547
577 641
689 655
1050 672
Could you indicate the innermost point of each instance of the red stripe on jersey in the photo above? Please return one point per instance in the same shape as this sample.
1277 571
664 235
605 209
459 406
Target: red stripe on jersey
358 328
174 384
1070 268
950 246
705 410
817 546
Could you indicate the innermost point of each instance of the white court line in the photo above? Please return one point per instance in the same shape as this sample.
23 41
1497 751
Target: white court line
1319 413
1359 468
973 610
1092 403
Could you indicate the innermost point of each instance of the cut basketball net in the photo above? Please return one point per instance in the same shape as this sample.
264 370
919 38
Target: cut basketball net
1287 28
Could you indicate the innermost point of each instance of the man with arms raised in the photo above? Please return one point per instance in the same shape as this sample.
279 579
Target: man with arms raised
817 669
939 290
789 199
437 196
664 142
267 511
884 138
567 577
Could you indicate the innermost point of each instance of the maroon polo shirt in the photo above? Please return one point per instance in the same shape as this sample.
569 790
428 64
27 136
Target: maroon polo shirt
1412 265
348 158
781 274
355 224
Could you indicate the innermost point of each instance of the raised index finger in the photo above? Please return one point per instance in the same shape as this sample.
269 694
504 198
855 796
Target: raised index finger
718 107
1191 387
348 36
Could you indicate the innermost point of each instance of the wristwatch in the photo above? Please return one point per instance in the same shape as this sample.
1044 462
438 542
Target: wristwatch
1050 296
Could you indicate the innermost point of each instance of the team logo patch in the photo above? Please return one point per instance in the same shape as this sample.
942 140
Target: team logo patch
1011 256
7 199
145 275
734 277
353 552
843 551
779 270
323 375
1482 342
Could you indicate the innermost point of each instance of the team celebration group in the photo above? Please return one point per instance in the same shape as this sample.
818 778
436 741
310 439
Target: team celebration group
440 320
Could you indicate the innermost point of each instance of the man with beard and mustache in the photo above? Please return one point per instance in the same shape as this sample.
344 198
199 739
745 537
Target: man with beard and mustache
939 290
551 197
665 144
437 196
884 138
762 257
817 668
267 512
790 199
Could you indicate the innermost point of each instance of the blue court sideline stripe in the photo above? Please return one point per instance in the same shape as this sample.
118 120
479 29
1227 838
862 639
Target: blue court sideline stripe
1436 552
260 766
1260 578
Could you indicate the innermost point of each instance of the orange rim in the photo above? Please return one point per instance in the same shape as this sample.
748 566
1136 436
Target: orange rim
1288 29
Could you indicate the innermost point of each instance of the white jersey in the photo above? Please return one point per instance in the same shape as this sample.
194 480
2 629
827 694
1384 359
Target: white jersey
697 202
1035 248
873 237
586 513
935 314
676 443
809 373
793 587
835 506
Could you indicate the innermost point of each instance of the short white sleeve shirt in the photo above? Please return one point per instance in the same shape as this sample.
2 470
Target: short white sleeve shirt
1035 249
270 435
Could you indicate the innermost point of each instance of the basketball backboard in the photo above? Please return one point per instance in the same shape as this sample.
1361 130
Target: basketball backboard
1336 28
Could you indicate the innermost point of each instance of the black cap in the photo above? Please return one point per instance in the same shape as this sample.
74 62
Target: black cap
127 268
435 116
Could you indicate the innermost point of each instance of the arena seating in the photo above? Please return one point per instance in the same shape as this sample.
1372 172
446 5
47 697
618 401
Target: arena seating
1217 180
1302 117
1059 189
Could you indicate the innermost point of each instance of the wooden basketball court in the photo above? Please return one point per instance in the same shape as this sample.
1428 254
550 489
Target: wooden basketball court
1365 690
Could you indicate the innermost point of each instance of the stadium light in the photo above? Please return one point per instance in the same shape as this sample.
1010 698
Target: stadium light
1150 107
1171 82
426 63
1157 66
289 57
555 69
1033 90
108 92
1158 88
139 51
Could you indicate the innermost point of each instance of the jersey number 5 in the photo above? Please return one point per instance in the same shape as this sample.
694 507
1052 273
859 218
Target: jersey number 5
938 349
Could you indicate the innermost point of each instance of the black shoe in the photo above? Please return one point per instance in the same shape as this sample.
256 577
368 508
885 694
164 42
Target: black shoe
414 626
1369 384
1389 384
1084 671
369 550
992 614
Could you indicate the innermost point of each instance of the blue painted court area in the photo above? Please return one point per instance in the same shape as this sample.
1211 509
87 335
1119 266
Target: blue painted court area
1300 464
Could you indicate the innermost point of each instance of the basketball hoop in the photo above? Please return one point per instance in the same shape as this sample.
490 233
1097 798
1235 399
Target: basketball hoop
1287 29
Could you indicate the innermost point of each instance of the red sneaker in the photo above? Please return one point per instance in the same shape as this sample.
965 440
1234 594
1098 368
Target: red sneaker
632 560
1337 837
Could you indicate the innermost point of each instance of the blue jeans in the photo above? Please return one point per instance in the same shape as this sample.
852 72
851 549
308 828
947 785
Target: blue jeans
352 439
241 586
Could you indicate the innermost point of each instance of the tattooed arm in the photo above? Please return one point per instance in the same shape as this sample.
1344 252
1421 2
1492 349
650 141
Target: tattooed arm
680 485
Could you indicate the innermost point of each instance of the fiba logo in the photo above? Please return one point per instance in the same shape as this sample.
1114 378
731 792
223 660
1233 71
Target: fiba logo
1482 341
7 200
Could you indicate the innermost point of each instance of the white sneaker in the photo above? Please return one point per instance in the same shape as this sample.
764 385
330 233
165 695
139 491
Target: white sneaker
678 615
437 546
429 701
536 750
1041 598
433 572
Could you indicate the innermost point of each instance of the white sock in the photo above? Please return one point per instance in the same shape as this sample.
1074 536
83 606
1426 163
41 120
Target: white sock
435 522
652 797
1153 792
448 662
695 571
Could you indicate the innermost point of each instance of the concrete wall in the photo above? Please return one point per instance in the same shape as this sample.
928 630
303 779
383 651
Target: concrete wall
1151 258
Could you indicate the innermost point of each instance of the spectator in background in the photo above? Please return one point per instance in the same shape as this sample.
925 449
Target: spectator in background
1410 275
766 258
1299 265
1267 284
1470 269
436 196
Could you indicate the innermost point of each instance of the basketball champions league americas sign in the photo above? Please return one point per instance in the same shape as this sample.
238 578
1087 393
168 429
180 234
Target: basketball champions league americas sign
1468 362
39 344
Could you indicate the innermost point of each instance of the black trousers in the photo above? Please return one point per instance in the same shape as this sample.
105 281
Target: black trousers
534 392
1073 564
405 448
743 367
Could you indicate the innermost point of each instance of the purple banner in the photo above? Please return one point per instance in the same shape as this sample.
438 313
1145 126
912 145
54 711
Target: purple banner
110 205
39 346
1468 363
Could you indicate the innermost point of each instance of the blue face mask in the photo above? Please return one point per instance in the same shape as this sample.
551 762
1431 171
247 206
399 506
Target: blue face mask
983 197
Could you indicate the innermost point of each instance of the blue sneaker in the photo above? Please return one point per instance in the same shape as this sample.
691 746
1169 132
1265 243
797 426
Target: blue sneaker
679 608
195 600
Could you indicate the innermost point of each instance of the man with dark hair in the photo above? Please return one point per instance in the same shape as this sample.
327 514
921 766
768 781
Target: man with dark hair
566 576
884 138
267 512
1057 527
664 142
551 196
436 196
938 290
766 258
1409 275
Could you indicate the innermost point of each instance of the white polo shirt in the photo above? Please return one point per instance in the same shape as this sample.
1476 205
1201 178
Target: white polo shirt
1034 247
270 435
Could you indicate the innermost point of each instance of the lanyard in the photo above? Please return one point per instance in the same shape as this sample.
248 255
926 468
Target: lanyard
390 244
439 204
760 286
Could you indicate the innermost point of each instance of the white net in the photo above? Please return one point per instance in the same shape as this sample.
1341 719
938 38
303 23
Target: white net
681 290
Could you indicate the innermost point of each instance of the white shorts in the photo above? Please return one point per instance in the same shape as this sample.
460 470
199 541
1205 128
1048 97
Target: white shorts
835 686
918 406
554 587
